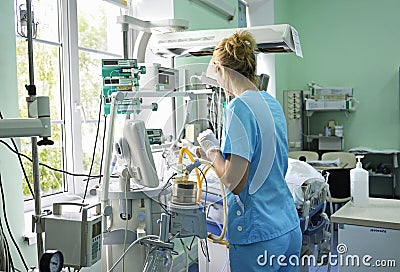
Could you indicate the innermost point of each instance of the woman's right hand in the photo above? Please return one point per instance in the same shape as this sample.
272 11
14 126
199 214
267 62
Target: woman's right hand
208 141
201 154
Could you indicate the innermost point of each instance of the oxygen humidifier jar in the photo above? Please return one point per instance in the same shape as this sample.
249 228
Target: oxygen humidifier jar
158 260
184 192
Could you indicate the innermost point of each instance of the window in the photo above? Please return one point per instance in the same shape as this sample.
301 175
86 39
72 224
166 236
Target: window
48 81
67 68
99 37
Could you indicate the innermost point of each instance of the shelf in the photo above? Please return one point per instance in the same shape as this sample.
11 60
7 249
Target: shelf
310 138
311 112
371 160
371 151
381 175
161 147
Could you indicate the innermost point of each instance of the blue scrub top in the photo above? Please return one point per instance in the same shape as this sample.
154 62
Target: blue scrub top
255 129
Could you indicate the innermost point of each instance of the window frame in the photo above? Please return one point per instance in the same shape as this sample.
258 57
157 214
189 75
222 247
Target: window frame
73 187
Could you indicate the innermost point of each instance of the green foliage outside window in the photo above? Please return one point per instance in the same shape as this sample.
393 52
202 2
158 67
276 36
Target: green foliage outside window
48 79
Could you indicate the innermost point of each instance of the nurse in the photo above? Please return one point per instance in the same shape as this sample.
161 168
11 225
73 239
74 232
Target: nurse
263 225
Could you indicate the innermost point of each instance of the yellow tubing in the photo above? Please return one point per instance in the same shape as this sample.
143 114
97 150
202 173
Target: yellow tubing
212 237
225 207
205 172
221 242
199 182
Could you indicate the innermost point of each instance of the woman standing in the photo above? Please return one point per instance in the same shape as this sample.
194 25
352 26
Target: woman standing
263 225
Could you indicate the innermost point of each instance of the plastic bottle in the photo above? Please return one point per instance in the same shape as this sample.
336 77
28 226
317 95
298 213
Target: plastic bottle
158 260
359 185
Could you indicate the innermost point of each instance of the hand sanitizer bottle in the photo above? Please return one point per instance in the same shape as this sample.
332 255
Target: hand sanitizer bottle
359 185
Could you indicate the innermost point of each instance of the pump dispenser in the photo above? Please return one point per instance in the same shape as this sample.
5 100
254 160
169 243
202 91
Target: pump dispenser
359 185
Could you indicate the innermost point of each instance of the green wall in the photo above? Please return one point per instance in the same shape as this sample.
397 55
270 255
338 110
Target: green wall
9 166
201 16
348 43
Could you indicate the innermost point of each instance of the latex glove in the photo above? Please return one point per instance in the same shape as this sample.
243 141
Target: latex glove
208 141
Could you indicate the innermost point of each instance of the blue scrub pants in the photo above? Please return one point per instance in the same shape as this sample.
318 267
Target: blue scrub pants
278 254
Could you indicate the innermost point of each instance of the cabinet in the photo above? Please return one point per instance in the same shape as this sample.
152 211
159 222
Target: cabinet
331 143
382 166
327 99
373 232
300 105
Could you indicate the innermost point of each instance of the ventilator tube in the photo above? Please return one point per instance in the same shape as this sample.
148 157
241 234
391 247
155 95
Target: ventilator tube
359 185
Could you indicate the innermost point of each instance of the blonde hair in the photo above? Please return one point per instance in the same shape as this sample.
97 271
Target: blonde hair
238 53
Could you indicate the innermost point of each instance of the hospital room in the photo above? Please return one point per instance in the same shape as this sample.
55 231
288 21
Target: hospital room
199 136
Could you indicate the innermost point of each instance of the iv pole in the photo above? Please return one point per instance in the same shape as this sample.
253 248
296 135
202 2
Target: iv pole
37 125
35 157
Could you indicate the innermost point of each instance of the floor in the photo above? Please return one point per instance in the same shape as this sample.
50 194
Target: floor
323 268
316 268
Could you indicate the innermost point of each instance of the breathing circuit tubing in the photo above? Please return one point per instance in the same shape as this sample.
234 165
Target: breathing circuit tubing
186 151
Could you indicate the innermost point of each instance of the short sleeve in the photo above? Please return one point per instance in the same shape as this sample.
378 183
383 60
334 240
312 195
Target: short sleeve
240 130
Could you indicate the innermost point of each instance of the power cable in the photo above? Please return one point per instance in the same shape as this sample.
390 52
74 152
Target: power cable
206 254
8 225
165 187
102 147
45 165
21 164
94 150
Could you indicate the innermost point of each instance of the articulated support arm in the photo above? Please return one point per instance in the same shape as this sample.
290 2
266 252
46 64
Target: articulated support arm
37 125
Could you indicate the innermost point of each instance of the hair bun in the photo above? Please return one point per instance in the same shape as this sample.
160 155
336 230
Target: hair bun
240 44
244 38
238 53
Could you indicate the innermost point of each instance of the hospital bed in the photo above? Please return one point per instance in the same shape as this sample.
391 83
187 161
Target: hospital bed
310 192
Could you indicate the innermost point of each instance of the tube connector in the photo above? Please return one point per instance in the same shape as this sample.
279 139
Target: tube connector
193 165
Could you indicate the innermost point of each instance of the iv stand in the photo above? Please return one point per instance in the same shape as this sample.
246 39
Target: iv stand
35 156
37 125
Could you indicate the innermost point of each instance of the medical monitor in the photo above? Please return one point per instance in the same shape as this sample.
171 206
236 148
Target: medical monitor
134 149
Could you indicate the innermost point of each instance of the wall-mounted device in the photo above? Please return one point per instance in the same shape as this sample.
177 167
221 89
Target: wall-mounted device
159 78
293 109
120 75
269 39
155 135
